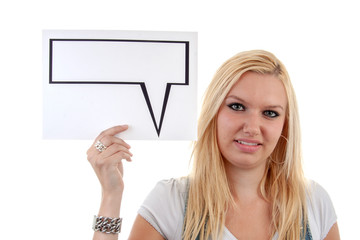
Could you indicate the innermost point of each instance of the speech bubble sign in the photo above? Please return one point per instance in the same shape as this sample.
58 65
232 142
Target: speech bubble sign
153 65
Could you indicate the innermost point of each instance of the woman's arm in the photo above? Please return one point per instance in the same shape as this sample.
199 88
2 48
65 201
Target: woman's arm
142 230
107 164
333 233
110 207
108 167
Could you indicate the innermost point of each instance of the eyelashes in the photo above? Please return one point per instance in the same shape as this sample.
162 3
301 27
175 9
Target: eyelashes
271 114
240 107
236 106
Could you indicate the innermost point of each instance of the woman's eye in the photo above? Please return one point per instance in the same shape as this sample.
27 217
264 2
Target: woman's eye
236 106
271 114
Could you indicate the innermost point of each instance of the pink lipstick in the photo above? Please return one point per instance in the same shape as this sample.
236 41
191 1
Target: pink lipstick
248 146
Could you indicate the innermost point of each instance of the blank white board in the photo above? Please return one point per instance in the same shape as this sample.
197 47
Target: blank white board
94 80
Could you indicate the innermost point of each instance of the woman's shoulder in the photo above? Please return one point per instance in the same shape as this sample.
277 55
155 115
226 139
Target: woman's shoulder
321 212
164 207
317 196
168 193
172 186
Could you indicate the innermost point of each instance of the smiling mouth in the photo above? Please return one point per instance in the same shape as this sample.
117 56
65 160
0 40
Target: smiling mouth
247 143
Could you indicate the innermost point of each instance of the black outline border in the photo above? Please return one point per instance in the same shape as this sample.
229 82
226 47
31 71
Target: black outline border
142 84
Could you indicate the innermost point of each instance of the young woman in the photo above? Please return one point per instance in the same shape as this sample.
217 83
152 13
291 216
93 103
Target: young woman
247 180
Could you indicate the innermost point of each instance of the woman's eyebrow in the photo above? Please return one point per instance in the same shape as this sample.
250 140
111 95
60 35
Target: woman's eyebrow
245 102
275 106
237 98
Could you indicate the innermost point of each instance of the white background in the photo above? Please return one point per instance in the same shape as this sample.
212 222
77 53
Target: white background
48 190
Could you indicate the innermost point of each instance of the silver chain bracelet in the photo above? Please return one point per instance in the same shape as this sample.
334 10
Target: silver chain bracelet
107 224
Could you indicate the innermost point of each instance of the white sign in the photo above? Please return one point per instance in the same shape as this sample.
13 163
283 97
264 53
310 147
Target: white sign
94 80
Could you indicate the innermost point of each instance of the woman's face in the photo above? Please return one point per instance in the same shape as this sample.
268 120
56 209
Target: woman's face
251 119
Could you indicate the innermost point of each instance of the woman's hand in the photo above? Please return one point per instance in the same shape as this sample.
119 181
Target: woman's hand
107 163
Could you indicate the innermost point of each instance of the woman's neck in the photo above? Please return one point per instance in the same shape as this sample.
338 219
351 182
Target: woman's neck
245 183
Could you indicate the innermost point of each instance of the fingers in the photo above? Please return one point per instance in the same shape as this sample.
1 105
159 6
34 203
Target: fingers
118 150
122 155
108 140
112 131
114 145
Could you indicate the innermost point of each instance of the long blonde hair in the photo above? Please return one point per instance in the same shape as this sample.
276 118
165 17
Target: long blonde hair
283 183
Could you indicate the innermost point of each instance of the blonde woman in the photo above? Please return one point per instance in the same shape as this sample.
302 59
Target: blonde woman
246 181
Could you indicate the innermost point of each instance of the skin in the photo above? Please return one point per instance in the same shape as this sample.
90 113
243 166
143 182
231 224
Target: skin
254 112
108 167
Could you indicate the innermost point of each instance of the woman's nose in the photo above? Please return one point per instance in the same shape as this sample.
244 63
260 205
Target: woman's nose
251 126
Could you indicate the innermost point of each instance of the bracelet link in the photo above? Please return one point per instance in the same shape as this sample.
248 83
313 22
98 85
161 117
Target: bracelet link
107 224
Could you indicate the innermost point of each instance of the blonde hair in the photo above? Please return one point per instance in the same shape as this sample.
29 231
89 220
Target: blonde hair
283 183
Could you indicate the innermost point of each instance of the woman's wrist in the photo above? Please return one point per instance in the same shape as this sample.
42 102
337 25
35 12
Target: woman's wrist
110 205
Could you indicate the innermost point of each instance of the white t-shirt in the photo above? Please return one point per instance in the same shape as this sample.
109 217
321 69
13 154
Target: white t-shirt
164 209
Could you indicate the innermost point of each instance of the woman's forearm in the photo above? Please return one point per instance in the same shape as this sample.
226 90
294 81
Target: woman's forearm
109 207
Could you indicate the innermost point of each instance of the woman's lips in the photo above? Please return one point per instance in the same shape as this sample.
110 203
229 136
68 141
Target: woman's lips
248 146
